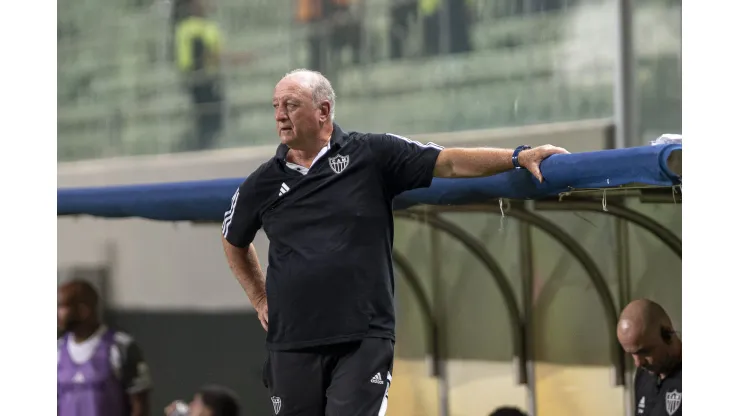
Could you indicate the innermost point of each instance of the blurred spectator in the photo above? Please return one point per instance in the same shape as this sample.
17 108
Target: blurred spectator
212 400
198 44
100 372
332 26
508 411
457 20
346 29
310 12
402 12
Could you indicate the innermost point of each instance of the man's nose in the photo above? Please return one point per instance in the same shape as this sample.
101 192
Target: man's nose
280 114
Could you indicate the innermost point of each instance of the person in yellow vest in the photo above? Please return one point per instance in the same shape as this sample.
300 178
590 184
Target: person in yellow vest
198 56
198 43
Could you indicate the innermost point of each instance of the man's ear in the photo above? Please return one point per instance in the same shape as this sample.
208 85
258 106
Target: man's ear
325 111
666 334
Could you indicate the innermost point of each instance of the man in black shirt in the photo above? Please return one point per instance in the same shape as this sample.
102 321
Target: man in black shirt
324 202
646 332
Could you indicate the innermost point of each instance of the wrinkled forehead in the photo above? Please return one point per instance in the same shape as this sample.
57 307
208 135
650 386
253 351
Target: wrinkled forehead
292 87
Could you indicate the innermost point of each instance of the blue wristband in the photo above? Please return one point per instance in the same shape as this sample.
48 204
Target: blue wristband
515 156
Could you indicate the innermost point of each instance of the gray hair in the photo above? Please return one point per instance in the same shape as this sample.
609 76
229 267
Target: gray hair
321 89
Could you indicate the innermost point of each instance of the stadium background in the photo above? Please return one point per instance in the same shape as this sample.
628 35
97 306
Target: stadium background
536 72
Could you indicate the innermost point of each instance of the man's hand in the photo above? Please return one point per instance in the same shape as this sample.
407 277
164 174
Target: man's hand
530 159
261 307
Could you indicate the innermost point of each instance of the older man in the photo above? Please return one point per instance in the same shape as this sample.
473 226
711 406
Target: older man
324 202
646 332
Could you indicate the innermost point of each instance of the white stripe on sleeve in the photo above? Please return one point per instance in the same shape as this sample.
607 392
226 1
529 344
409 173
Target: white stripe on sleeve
229 214
406 139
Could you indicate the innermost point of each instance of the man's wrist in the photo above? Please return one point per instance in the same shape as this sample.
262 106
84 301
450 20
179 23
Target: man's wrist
259 300
515 157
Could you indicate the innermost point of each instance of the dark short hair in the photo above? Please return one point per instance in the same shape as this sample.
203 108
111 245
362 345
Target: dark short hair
220 400
84 292
507 411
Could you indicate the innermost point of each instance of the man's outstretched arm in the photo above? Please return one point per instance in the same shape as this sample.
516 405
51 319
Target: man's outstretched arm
245 266
478 162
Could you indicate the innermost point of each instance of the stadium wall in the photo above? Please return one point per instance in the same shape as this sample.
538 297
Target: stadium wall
168 284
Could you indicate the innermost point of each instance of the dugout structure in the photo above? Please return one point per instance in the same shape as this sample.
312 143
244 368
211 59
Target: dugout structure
456 215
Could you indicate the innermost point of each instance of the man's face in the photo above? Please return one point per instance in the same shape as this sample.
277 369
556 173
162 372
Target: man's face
198 408
297 118
648 350
68 314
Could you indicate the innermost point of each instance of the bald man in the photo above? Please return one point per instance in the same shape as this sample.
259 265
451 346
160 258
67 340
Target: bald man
646 332
325 203
100 372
